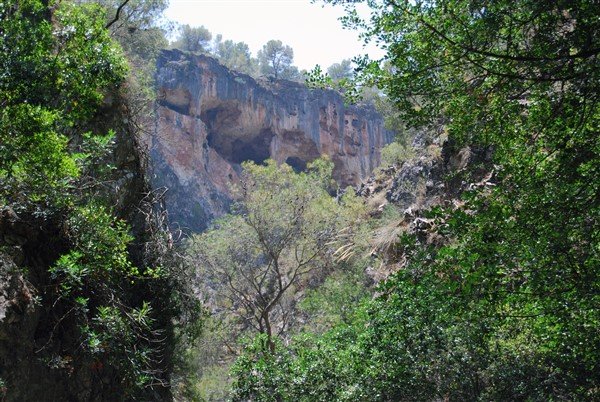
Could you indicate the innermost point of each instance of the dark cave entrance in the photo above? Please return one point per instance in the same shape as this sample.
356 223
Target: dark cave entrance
299 165
228 137
237 149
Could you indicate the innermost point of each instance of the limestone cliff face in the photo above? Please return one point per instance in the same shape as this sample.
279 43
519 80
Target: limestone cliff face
210 119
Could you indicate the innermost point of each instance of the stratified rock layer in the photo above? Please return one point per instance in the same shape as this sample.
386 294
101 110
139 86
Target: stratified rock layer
210 120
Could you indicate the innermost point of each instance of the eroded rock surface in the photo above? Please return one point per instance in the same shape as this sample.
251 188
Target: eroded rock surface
210 120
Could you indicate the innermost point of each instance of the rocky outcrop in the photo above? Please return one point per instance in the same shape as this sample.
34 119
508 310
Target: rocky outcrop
437 176
211 119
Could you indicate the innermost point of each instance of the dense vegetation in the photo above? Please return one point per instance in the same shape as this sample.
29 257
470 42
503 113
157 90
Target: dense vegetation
508 306
104 294
502 304
277 242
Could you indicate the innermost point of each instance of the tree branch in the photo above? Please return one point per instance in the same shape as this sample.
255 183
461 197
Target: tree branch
584 54
117 14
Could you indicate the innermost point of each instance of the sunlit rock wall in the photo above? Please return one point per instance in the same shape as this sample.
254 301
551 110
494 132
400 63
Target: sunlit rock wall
210 119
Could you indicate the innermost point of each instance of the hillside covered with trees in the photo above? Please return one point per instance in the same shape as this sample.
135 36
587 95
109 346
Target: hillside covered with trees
467 269
275 60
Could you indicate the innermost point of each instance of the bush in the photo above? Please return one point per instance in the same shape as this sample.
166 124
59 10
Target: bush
396 153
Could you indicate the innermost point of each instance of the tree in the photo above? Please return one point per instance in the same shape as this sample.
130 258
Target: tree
235 55
342 70
507 308
49 92
193 39
137 25
275 60
255 260
60 99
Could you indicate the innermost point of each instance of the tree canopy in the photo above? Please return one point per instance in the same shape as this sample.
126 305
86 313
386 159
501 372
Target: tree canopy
193 39
44 92
235 55
275 60
93 287
341 70
277 241
508 307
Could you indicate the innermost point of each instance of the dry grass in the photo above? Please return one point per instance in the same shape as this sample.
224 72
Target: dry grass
386 237
376 201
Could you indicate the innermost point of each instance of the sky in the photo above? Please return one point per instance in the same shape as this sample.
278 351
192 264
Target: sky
312 30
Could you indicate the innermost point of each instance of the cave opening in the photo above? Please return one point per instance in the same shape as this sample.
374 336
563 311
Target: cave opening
221 116
297 164
243 147
230 139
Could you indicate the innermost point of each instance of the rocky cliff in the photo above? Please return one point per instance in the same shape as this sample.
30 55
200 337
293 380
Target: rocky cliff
211 119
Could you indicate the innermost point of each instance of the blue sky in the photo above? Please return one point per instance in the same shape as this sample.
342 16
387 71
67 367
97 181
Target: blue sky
312 30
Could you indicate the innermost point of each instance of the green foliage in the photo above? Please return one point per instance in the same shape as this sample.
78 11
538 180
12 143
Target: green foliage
53 78
42 64
317 78
214 385
93 278
266 368
278 240
333 302
262 266
235 55
507 309
205 371
99 252
338 76
420 340
396 153
113 336
193 39
342 70
275 60
58 67
38 160
139 29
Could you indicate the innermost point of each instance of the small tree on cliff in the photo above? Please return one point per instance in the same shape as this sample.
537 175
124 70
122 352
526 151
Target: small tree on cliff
275 60
341 70
254 260
193 39
234 55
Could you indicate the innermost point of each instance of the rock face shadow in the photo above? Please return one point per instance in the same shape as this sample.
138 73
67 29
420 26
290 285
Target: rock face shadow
209 120
296 163
228 136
